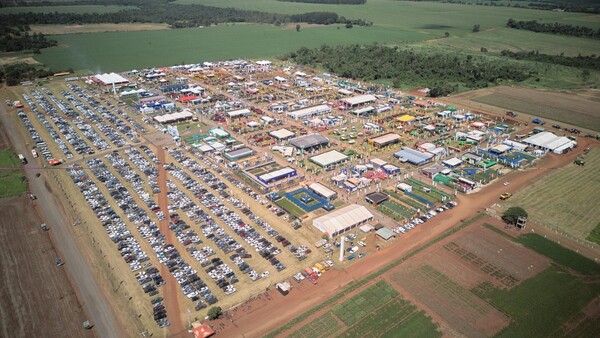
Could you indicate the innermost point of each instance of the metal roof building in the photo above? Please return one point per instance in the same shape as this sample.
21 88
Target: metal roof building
548 141
342 220
237 154
309 141
277 175
309 112
413 156
239 113
329 158
282 134
384 140
358 100
322 191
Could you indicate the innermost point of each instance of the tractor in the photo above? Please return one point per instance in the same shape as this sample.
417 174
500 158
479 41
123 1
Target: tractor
579 161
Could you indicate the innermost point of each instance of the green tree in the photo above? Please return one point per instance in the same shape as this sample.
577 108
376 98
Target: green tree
297 27
476 28
214 312
446 34
512 214
349 24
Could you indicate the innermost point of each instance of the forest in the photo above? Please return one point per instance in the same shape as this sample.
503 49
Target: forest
330 2
443 73
555 28
583 62
17 38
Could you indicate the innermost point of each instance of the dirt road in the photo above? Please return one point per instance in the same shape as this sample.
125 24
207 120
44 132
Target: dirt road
80 275
258 319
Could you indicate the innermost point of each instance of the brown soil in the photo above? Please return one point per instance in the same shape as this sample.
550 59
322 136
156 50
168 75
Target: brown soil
37 298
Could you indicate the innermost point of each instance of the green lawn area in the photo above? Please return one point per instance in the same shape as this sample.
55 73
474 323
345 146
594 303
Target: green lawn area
354 309
78 9
11 182
290 207
540 305
563 200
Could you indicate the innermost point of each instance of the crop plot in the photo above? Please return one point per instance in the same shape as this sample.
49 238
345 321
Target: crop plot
323 326
361 305
389 318
458 306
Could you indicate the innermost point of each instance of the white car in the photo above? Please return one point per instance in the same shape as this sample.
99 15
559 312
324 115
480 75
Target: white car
361 243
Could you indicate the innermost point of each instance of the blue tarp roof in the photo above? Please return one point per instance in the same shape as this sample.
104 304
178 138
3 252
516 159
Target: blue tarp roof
413 156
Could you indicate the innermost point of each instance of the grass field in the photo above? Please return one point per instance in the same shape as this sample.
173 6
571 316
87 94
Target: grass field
120 51
11 182
395 23
561 200
560 255
363 304
540 305
290 207
78 9
594 236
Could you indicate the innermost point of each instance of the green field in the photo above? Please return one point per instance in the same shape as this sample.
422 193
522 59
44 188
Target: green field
121 51
11 182
290 207
395 23
78 9
398 318
594 236
563 199
540 305
362 305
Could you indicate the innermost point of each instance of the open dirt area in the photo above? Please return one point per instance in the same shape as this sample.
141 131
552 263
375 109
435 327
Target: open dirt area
37 298
574 108
96 28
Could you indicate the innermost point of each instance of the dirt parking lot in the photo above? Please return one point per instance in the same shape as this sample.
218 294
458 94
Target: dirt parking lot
37 299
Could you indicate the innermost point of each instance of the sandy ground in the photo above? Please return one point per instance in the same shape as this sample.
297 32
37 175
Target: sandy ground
95 28
258 318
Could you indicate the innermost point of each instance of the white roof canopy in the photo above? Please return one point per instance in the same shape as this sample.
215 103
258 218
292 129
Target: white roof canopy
342 219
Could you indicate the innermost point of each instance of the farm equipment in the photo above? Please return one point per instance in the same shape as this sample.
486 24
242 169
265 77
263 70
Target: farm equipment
505 196
511 114
579 161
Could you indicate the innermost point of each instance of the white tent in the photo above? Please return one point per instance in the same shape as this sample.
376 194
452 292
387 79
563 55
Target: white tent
344 219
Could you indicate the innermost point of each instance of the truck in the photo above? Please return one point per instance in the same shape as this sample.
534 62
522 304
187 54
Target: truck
311 275
320 267
22 158
538 121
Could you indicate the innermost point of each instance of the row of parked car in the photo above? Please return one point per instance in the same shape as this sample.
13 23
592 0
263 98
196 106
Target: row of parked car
411 224
53 134
35 136
260 244
147 276
191 284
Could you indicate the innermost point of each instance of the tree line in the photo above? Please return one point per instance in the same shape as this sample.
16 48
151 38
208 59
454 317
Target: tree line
584 62
15 73
175 15
555 28
18 38
443 73
330 2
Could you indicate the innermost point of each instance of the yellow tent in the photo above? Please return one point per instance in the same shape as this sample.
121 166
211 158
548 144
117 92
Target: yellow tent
405 118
